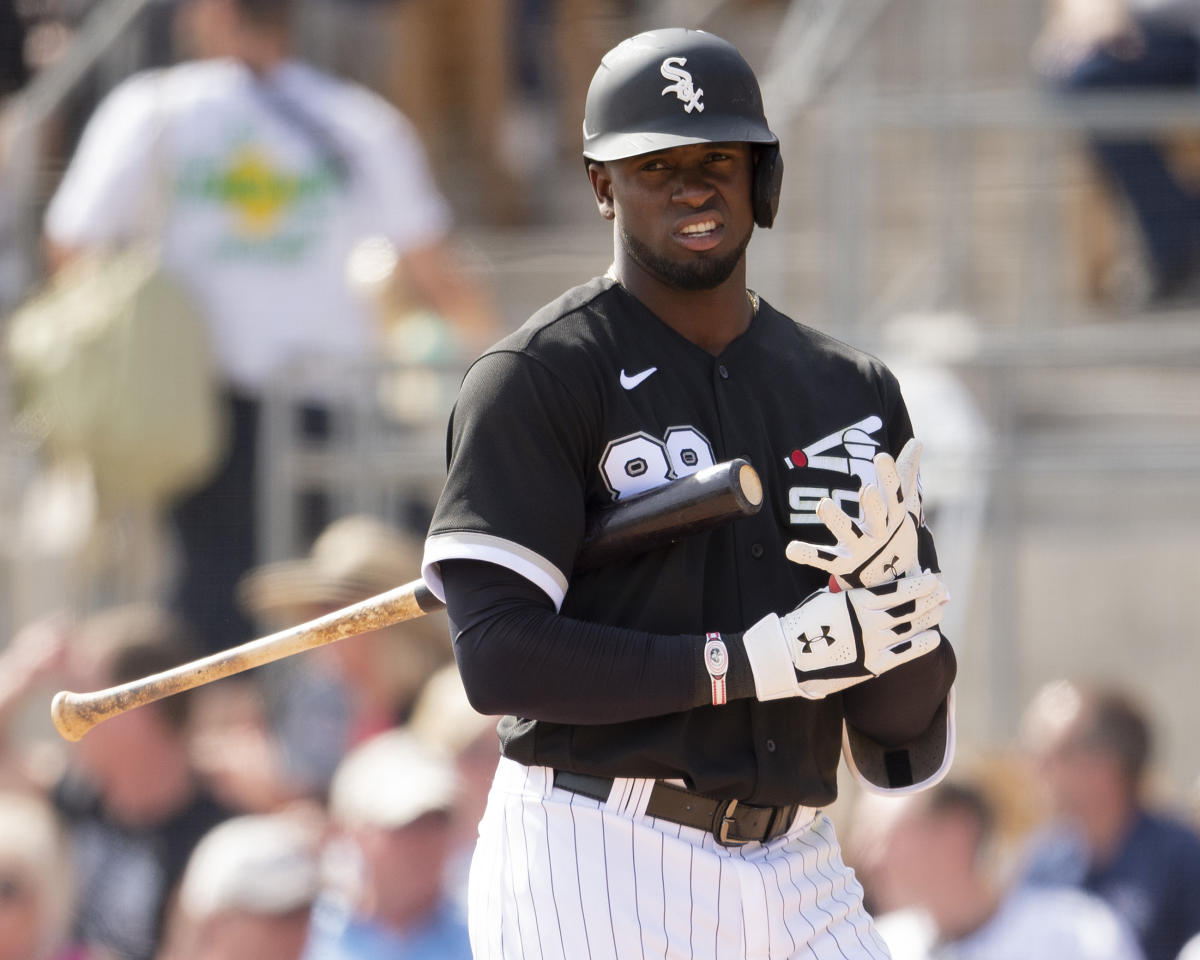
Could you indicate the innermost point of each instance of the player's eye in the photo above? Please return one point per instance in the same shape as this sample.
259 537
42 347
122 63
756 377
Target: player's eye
655 164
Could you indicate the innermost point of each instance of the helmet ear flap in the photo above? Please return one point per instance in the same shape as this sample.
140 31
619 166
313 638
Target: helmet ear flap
768 181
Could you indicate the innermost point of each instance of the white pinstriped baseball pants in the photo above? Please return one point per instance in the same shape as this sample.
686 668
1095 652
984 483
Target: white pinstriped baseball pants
558 875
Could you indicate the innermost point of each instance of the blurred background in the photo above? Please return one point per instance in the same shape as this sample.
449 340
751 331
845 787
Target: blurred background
1002 200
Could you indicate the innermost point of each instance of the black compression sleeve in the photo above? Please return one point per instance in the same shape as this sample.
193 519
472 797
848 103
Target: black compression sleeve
518 656
897 707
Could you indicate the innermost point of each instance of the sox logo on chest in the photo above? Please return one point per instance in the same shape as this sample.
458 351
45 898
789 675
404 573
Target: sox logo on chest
848 450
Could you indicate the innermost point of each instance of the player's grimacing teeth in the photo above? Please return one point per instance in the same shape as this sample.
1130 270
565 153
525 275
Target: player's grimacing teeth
700 233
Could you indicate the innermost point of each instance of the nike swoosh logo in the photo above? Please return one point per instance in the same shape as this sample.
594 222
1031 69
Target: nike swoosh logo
630 381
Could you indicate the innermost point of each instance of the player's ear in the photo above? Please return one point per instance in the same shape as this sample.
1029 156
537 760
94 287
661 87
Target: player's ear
601 188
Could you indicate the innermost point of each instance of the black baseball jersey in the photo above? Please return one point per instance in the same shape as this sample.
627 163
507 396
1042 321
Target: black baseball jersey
594 400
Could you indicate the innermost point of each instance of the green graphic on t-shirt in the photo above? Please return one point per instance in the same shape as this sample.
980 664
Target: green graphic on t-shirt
273 213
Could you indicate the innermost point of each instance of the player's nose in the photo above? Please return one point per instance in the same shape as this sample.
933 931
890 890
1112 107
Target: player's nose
692 188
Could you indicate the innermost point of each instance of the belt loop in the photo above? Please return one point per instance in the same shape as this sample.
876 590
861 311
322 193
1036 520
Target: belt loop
781 820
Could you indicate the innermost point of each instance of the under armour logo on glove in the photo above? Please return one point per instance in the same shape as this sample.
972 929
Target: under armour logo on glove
806 642
867 631
884 545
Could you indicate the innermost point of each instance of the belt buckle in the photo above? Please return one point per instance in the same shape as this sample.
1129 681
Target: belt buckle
721 833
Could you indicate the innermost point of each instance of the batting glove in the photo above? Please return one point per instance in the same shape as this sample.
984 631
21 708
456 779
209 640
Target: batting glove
835 640
884 545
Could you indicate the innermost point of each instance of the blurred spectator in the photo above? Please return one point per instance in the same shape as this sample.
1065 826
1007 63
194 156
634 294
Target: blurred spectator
451 72
1093 748
13 69
495 87
264 174
556 44
1137 45
391 802
445 718
315 707
354 558
131 801
248 891
35 885
36 655
936 868
14 72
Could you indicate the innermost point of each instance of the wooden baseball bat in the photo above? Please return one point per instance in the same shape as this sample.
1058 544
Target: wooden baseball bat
705 499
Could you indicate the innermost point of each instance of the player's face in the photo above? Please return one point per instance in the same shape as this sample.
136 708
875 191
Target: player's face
683 214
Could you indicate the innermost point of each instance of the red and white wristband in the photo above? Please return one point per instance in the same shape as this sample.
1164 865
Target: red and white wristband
716 662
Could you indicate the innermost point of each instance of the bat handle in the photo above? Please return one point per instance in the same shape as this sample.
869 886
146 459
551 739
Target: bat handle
74 714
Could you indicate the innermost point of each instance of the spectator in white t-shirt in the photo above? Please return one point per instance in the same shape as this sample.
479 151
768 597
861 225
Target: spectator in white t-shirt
933 873
260 175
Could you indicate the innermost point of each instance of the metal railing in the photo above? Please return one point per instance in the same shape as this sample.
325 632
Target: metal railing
381 451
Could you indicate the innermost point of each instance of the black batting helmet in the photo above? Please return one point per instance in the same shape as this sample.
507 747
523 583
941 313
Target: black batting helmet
711 96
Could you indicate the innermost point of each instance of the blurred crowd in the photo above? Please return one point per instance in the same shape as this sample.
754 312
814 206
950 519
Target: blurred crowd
1055 848
325 806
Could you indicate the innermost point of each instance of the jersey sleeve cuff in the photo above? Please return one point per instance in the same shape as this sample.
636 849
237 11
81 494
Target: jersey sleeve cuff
465 545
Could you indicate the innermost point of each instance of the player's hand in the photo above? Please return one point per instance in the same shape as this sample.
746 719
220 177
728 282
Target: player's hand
884 545
835 640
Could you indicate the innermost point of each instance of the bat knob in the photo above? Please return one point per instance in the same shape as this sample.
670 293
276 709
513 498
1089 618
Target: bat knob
750 484
67 720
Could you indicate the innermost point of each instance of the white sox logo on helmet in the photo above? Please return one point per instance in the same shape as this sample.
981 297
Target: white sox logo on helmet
682 87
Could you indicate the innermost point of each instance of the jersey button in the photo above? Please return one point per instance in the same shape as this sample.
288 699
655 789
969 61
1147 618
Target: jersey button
723 371
770 746
756 551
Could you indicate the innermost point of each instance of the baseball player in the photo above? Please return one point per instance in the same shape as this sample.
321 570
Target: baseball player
673 723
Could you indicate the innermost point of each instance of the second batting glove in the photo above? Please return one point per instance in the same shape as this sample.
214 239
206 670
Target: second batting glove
883 545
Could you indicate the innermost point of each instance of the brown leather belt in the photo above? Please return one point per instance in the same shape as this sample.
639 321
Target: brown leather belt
731 822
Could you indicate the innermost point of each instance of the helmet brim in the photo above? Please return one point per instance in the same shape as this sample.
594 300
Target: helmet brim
621 146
